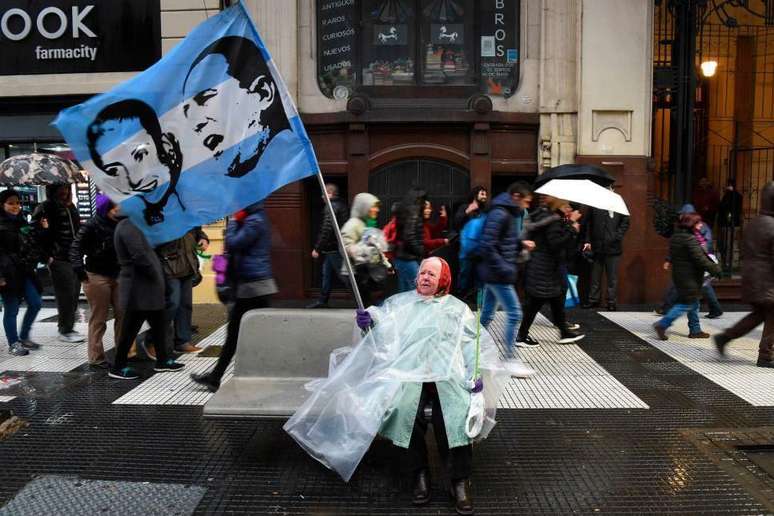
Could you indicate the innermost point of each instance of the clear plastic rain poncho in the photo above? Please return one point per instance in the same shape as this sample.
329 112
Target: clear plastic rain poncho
414 339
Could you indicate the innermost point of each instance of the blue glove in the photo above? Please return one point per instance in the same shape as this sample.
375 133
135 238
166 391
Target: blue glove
478 386
363 320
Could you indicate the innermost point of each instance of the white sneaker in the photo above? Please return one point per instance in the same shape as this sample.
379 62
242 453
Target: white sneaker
517 368
71 337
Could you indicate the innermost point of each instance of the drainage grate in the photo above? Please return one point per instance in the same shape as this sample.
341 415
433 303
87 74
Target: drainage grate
66 496
761 455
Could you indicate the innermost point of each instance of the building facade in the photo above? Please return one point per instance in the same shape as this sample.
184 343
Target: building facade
445 94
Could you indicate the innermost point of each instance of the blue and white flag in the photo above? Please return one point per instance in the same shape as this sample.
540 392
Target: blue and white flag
206 131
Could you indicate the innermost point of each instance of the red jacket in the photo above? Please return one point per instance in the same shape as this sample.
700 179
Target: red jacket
432 237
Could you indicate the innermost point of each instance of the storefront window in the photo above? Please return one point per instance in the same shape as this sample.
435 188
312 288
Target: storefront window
413 47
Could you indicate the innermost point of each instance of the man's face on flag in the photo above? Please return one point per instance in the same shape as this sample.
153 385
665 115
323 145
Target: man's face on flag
133 166
209 108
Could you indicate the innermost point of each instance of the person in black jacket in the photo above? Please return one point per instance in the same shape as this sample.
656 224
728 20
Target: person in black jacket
605 231
99 276
555 237
63 224
409 249
689 262
476 205
327 244
19 255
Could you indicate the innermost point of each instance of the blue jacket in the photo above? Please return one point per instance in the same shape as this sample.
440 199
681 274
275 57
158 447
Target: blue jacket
248 244
500 242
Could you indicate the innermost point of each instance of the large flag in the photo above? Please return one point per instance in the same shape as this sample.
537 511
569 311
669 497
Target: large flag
206 131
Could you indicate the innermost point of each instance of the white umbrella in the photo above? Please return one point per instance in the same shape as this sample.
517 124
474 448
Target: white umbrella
585 192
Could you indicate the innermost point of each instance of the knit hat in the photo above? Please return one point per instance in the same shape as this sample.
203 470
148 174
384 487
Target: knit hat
103 205
6 194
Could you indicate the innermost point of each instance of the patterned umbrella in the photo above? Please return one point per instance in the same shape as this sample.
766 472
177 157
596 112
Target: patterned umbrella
39 169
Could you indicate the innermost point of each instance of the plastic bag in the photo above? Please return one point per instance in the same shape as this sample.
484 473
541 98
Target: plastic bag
571 299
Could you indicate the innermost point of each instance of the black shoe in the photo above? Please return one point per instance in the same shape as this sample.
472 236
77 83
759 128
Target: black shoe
660 331
765 363
421 494
713 315
568 337
527 342
611 307
659 311
169 366
460 493
318 304
572 326
127 373
206 380
721 340
589 304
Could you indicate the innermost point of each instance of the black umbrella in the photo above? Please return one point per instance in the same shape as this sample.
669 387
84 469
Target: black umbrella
573 171
39 169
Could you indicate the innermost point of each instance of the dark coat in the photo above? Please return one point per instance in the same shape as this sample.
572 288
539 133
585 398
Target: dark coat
141 281
19 253
555 240
95 242
63 225
758 253
248 244
410 230
326 239
689 262
605 233
178 257
500 243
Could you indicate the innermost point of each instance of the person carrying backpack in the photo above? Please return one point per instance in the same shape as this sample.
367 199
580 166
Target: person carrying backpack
498 250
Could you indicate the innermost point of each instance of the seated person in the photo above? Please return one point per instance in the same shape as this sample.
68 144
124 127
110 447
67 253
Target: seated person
422 349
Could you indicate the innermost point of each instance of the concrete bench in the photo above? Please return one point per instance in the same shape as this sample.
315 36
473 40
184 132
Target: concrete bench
279 350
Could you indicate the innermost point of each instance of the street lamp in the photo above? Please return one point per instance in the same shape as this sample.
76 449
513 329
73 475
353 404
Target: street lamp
708 68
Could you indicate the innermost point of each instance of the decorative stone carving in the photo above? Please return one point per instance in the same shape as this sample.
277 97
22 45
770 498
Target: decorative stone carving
602 120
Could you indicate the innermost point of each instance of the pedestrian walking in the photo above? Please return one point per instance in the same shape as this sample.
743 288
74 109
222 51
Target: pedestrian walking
248 250
757 281
476 205
141 296
327 245
689 263
99 275
409 248
499 250
63 224
605 231
432 232
555 237
19 255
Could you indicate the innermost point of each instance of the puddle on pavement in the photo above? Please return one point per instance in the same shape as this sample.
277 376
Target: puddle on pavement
42 385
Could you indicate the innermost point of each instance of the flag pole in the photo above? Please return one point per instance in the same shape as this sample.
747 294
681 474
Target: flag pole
340 240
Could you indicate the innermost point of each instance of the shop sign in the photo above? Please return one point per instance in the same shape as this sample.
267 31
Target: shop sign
500 46
336 46
78 36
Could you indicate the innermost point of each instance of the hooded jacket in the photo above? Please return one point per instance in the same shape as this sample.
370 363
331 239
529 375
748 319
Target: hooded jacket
95 242
248 244
554 239
758 253
689 262
353 229
500 242
63 225
19 253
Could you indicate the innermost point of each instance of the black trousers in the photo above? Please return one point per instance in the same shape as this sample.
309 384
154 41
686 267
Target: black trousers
240 308
458 461
67 287
532 306
131 325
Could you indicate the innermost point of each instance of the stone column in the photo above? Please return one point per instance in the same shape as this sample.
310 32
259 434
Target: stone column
277 22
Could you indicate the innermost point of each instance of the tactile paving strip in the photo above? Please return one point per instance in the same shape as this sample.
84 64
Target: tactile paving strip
736 372
71 496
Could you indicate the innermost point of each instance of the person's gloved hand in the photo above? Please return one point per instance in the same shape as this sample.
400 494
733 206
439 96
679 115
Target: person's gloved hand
363 320
478 385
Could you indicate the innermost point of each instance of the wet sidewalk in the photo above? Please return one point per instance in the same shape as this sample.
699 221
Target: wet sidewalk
617 424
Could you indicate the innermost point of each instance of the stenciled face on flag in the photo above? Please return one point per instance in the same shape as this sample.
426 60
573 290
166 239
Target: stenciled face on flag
206 131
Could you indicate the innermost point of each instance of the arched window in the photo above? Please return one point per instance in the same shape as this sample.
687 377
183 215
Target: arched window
404 48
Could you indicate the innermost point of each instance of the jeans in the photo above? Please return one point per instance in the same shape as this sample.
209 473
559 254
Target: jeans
608 263
331 265
67 287
11 310
240 308
678 309
131 324
179 308
407 274
706 290
502 294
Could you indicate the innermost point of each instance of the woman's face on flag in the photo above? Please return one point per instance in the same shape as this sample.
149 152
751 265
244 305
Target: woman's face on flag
133 166
226 114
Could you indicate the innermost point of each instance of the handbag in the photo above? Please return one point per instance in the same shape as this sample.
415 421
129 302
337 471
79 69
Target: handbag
224 288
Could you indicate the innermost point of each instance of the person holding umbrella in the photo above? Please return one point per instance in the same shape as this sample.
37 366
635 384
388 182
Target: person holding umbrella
19 255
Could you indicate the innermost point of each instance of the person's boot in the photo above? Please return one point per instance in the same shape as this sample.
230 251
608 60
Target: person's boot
721 341
660 331
421 493
590 304
699 335
460 492
206 380
318 304
765 363
569 336
611 307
